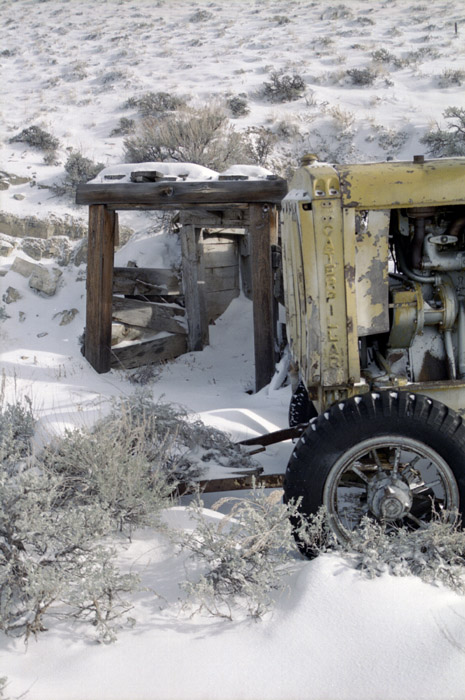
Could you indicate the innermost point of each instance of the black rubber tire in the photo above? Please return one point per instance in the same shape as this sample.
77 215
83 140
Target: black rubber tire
301 409
361 418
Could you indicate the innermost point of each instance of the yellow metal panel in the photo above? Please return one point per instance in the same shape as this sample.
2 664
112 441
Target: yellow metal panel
402 184
348 231
327 217
371 273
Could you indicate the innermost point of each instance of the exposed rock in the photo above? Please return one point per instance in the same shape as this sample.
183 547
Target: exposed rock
11 295
6 248
33 247
19 197
10 179
32 227
80 252
66 316
57 247
22 316
23 267
45 280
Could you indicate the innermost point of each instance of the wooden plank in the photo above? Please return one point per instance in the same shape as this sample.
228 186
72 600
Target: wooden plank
144 314
224 256
101 240
218 279
149 352
194 287
177 195
145 280
261 224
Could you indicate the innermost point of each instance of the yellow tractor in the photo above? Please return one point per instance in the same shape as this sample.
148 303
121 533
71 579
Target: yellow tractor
374 282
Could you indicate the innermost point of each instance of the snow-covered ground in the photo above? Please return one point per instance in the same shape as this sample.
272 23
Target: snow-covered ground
69 67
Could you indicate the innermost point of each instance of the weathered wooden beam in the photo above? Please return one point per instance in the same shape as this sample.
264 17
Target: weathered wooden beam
181 194
262 219
103 226
145 280
194 287
146 314
148 352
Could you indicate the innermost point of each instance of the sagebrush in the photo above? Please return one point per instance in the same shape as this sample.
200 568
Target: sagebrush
448 141
203 136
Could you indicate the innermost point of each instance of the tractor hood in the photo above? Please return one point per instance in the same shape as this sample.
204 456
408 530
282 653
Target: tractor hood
387 184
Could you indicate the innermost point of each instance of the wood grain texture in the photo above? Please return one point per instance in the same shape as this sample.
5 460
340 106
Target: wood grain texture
262 219
177 195
102 227
150 351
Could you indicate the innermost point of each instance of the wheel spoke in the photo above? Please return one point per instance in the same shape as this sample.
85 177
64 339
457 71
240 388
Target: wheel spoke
359 473
425 487
376 459
416 520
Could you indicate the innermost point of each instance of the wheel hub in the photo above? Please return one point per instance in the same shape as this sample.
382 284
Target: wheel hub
389 498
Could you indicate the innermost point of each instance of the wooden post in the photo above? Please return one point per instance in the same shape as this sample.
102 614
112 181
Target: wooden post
194 287
262 217
103 226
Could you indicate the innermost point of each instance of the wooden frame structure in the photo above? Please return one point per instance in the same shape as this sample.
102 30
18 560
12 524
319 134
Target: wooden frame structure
222 203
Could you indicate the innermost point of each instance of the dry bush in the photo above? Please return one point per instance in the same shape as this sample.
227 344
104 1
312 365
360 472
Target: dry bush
450 141
78 169
203 136
451 77
284 88
152 104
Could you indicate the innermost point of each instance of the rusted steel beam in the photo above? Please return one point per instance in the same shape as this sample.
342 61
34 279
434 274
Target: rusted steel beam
276 436
235 483
182 194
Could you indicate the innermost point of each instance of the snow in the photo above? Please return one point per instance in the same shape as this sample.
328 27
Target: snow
332 634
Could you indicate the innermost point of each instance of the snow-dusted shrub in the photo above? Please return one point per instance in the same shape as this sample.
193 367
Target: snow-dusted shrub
343 119
261 144
3 313
125 126
337 12
16 431
281 19
155 103
76 71
362 76
435 553
78 169
450 141
36 137
50 554
383 56
451 77
202 136
284 88
247 554
132 460
391 140
201 16
238 105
